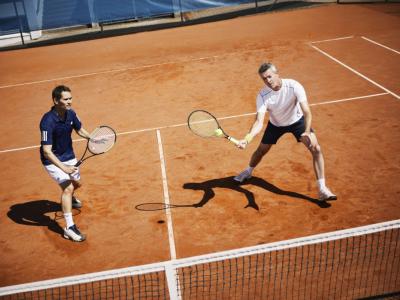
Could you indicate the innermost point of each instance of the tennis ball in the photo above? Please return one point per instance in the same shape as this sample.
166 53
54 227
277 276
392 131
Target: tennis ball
218 132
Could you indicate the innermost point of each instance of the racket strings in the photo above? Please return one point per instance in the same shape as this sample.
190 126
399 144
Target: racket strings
101 140
203 123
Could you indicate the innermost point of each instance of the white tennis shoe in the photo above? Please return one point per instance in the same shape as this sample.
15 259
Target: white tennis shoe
76 203
242 176
325 194
73 233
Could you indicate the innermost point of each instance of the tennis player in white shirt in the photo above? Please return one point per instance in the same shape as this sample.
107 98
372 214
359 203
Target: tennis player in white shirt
286 102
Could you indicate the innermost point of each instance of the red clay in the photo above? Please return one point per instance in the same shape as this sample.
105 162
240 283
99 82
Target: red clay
211 66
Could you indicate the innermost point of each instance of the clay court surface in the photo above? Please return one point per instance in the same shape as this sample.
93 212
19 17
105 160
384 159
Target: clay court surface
144 85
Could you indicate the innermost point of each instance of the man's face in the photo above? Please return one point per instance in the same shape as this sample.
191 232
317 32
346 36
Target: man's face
271 79
65 101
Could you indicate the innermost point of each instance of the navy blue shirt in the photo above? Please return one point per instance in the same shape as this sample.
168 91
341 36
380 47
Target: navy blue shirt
57 132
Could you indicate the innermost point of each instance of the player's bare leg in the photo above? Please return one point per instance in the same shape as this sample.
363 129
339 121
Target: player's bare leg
76 203
257 156
66 196
71 231
319 170
255 159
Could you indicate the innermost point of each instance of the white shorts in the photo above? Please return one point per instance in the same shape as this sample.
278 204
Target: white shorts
59 175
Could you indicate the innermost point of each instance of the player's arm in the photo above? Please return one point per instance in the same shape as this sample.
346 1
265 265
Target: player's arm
77 125
83 133
55 161
307 116
254 130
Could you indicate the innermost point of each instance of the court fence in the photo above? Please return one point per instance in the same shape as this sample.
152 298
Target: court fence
30 21
27 22
357 263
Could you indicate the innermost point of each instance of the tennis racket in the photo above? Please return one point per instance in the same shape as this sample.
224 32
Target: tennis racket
204 124
102 139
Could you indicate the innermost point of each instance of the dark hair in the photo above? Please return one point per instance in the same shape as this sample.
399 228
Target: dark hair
266 66
57 91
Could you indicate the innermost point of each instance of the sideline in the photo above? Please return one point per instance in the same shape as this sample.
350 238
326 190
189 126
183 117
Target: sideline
356 72
383 46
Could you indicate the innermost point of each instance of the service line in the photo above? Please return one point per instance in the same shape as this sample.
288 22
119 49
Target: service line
185 124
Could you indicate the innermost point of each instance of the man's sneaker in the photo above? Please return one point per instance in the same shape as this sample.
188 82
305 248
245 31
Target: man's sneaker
243 176
326 195
73 233
76 203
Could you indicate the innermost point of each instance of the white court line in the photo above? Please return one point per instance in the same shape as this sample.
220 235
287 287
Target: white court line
78 76
166 199
336 39
356 72
376 43
127 69
185 124
349 99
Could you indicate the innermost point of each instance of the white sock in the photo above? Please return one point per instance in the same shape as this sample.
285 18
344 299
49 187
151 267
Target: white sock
250 169
69 220
321 184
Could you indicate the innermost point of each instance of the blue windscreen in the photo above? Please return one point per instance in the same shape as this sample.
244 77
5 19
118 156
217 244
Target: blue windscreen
30 15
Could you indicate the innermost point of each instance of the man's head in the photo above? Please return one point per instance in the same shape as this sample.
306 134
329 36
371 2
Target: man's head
62 97
269 74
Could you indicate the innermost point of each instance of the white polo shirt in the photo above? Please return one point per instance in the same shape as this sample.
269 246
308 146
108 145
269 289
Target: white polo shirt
283 105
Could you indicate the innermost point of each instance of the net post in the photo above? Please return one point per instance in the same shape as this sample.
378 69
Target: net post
172 281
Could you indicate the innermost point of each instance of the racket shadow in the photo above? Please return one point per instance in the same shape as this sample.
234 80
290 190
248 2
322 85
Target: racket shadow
35 213
230 183
154 206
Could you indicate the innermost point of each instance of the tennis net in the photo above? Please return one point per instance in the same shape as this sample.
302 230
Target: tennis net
358 263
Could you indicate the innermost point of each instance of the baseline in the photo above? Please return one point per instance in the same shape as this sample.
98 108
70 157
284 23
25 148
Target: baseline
127 69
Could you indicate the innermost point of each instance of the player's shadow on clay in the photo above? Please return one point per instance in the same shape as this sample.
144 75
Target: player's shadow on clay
37 213
228 183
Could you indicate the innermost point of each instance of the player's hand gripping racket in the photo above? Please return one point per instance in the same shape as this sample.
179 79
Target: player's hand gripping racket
102 139
204 124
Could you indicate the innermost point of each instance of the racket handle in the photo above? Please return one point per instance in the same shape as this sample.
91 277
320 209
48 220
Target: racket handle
233 140
78 163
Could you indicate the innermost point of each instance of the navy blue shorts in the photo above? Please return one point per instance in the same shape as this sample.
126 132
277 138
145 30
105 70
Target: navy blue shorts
273 133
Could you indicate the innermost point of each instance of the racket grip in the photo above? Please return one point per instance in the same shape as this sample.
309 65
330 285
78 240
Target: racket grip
78 163
233 140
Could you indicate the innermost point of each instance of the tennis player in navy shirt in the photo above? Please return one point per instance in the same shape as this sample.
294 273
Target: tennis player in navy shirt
57 154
